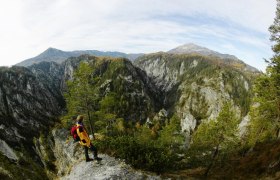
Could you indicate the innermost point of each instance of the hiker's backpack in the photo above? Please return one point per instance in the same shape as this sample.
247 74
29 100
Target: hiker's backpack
74 133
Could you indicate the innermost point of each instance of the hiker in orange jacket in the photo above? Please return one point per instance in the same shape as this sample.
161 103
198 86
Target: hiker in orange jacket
85 140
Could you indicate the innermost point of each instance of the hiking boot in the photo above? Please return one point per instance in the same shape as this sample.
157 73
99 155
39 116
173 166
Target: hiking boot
97 159
89 159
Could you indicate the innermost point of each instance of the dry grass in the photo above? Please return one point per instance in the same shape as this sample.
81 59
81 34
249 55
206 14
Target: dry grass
260 163
263 162
196 173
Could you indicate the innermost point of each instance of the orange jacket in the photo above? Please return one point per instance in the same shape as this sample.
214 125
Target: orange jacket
83 135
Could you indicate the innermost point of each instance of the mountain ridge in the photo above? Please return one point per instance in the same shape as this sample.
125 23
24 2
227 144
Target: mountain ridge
194 48
58 56
191 48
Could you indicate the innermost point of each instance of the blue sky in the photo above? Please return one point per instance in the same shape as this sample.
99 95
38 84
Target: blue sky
236 27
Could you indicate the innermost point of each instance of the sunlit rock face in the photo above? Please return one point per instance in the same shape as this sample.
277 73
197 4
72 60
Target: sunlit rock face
195 87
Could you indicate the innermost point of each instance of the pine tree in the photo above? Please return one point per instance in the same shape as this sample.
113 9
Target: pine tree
81 97
217 135
273 69
171 135
221 132
265 113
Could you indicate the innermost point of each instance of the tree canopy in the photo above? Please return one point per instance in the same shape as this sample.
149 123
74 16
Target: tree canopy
265 112
81 97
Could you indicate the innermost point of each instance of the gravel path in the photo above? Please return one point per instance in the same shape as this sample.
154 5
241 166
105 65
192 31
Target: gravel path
109 168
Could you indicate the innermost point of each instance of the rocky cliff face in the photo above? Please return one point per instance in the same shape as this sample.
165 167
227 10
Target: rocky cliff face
195 87
28 107
27 103
134 93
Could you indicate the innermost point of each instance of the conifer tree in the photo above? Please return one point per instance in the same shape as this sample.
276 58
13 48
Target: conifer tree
217 135
265 113
81 96
274 64
170 135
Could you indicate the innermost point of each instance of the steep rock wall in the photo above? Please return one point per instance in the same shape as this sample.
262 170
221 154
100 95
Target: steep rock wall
196 87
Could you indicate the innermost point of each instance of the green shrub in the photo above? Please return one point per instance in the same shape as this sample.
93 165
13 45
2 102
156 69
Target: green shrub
151 156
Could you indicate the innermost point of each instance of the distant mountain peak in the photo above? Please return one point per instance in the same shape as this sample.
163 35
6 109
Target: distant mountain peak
190 47
193 48
51 49
52 53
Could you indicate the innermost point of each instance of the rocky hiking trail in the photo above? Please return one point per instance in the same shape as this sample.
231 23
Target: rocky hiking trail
108 168
71 164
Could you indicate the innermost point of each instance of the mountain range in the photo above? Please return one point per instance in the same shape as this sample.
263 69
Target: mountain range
56 55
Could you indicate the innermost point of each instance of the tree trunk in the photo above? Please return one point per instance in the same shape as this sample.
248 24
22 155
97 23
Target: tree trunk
278 133
90 125
215 154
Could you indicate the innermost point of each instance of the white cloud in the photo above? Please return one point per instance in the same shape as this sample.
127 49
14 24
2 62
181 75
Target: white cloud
30 27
